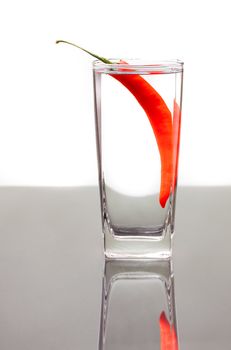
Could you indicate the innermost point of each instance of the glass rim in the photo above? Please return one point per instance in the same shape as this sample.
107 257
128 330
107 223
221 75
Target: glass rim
132 65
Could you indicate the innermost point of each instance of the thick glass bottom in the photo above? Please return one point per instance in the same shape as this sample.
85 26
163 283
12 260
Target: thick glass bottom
126 246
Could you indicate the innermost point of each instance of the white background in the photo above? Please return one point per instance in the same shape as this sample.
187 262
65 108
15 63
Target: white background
46 106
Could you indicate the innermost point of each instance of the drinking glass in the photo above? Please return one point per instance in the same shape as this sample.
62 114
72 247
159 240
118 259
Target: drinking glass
137 120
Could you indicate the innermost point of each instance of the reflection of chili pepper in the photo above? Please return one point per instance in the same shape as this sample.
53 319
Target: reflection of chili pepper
160 119
168 337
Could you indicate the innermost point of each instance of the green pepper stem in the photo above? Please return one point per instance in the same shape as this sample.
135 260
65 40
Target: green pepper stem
104 60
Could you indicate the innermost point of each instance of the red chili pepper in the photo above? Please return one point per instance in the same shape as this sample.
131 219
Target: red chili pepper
161 121
160 118
168 337
176 140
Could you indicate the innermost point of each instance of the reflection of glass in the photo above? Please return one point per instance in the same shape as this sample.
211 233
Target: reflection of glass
135 295
138 108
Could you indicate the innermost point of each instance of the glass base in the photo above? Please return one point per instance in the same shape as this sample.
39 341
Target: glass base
127 246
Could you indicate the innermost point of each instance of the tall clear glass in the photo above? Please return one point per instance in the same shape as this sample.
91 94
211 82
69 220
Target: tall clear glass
138 114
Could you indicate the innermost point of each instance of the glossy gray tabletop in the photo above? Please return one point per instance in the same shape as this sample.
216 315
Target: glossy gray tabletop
51 267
